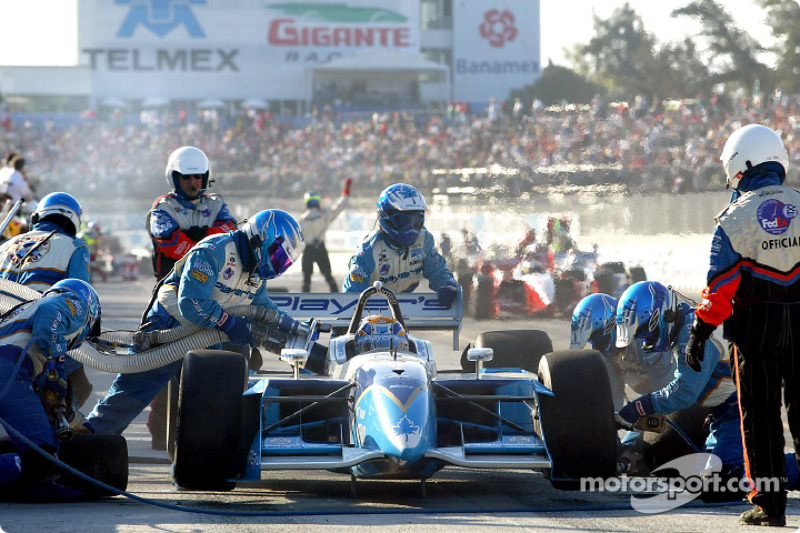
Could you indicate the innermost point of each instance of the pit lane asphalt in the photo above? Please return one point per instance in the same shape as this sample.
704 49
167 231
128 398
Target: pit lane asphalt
457 499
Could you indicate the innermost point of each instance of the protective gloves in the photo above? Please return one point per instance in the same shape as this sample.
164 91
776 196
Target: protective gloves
347 183
447 294
695 349
641 406
237 331
196 233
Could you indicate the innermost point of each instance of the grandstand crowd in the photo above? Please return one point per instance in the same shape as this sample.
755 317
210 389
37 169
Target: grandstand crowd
649 146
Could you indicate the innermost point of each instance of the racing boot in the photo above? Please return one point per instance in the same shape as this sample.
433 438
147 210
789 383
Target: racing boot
769 510
757 516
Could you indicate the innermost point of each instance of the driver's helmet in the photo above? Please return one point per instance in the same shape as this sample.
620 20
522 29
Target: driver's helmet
594 320
380 333
647 312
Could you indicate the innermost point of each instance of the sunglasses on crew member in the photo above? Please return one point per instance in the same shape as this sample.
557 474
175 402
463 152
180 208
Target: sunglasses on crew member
187 177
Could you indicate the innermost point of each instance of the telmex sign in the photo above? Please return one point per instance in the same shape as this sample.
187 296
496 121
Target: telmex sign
177 48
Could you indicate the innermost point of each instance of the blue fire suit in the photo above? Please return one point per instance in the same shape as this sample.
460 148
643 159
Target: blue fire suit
712 387
399 268
215 274
35 334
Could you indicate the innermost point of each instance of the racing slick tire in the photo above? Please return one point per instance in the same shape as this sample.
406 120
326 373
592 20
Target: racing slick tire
518 348
103 457
209 419
577 423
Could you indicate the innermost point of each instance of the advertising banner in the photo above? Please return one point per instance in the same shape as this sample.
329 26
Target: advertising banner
231 49
496 48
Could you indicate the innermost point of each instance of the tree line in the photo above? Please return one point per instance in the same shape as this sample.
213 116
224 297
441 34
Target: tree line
624 59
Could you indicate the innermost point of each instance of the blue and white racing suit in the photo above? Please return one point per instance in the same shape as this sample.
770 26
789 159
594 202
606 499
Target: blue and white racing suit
642 372
712 387
215 274
42 257
32 333
399 268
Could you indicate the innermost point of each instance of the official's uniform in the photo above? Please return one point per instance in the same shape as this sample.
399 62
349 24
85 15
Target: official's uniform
314 222
754 287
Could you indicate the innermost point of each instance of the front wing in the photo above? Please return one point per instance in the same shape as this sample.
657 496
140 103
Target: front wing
491 423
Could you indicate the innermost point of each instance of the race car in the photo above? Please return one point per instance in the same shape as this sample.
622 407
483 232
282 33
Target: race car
384 409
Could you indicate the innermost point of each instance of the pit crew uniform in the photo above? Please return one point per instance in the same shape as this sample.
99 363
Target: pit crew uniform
642 372
399 268
712 387
213 276
176 224
35 335
43 256
754 287
38 259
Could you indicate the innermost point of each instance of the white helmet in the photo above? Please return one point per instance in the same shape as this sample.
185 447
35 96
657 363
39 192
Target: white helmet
186 160
749 146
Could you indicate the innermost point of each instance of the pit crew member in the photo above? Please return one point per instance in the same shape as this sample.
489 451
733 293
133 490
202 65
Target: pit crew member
222 271
400 251
36 336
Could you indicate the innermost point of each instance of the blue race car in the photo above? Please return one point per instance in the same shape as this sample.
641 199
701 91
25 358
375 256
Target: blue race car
378 407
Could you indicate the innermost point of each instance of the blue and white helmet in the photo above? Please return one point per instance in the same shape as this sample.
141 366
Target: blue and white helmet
380 333
59 204
86 293
188 161
647 312
401 213
275 239
594 320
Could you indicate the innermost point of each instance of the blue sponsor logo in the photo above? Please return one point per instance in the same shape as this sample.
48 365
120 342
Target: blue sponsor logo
775 216
228 273
161 17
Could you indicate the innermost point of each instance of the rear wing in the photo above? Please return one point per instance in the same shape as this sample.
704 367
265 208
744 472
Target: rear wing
421 310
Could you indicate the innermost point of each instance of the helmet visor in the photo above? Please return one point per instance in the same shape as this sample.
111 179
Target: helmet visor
279 257
627 328
405 220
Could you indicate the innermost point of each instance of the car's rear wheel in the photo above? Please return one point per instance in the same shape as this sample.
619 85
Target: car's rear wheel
518 348
209 419
578 421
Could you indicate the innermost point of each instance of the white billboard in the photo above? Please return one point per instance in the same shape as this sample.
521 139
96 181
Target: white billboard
496 48
231 49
